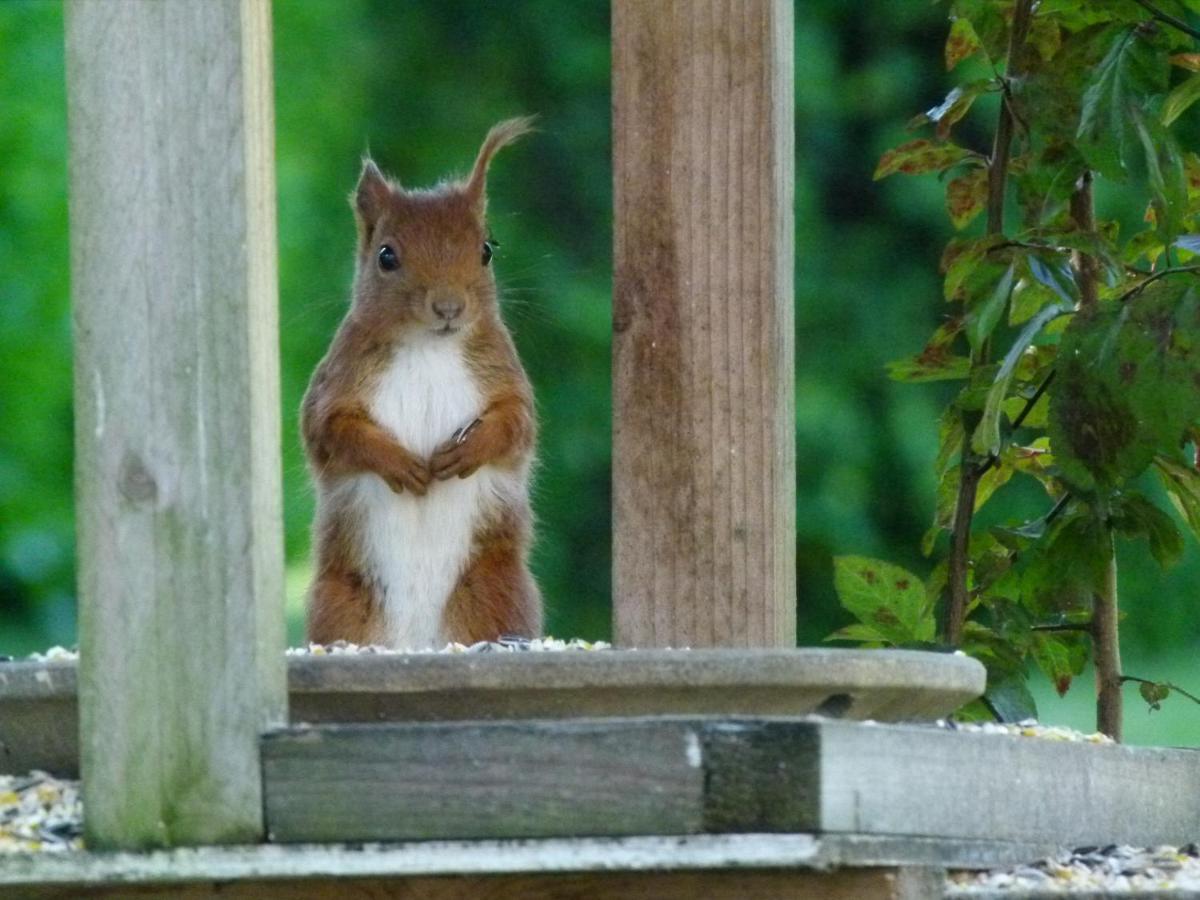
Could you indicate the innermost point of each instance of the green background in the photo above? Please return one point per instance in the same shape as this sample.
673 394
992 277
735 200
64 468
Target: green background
419 84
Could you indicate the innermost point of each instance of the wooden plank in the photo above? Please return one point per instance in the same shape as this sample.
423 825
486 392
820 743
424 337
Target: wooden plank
703 411
476 780
635 776
177 414
909 780
851 884
903 779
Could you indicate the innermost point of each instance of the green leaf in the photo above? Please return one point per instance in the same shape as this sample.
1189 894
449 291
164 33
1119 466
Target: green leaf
1036 460
1189 61
1011 700
1135 516
937 361
1178 101
1029 297
884 597
916 157
1055 274
982 320
993 479
1154 693
1168 183
916 369
1061 656
1044 36
987 18
966 197
961 43
1126 386
857 631
986 439
1182 484
1063 571
945 468
1131 72
951 110
966 263
1145 244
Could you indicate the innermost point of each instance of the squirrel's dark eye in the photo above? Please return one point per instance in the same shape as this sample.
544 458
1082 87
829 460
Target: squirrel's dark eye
388 260
487 252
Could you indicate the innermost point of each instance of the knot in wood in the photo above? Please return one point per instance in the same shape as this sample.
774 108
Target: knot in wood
135 481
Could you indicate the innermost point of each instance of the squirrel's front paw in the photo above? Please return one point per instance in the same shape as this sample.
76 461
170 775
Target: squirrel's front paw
408 473
461 455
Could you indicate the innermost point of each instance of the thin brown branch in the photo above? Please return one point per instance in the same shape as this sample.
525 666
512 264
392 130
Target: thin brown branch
1063 626
1106 649
1167 19
972 467
1163 273
1087 268
1002 147
1167 684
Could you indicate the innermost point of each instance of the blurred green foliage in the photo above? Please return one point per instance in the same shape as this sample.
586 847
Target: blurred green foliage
418 84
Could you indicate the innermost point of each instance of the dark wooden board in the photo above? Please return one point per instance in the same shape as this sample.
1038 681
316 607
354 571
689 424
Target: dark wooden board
479 780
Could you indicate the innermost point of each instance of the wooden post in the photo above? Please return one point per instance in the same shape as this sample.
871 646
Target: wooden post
177 415
703 414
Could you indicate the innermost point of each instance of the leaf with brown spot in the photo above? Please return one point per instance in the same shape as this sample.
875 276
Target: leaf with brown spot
870 589
1061 657
1154 693
917 157
966 197
937 361
1126 386
956 105
962 42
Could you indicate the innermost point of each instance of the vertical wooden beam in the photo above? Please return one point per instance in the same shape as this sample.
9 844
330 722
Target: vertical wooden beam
177 415
703 414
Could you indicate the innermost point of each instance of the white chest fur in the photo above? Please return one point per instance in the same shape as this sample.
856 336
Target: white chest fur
416 548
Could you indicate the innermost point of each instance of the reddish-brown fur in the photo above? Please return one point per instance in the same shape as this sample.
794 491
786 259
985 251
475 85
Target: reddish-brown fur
439 234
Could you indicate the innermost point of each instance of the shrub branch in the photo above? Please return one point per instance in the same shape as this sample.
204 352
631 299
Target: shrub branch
972 467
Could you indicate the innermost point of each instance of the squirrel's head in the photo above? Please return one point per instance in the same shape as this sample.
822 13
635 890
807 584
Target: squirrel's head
424 258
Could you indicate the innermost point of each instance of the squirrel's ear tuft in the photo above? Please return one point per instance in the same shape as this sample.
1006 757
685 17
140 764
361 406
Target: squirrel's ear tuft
502 134
370 197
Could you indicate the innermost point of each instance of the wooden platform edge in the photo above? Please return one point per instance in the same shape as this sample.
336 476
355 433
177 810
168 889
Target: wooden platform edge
688 775
702 852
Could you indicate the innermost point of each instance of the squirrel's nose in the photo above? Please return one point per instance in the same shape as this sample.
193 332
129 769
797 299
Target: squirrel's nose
448 308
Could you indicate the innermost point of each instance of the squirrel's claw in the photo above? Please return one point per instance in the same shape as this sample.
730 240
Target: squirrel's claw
454 457
413 477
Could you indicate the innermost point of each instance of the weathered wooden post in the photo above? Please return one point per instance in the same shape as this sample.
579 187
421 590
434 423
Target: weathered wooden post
704 449
177 415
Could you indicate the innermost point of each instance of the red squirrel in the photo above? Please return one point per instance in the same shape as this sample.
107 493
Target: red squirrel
419 429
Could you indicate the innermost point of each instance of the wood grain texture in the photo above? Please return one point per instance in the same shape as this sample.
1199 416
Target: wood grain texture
752 776
703 409
852 884
177 414
904 779
504 779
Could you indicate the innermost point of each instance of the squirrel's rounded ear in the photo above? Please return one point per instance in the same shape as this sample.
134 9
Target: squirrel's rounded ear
500 135
371 195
